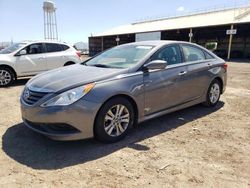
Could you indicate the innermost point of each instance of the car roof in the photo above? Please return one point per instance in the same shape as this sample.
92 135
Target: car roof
158 42
44 41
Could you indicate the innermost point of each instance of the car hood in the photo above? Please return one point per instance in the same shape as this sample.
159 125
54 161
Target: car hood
70 76
4 57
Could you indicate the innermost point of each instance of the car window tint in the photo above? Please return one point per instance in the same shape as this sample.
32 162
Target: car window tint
64 47
171 54
53 47
192 53
34 48
208 56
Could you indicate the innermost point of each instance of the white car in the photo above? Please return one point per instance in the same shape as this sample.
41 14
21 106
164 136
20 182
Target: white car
31 58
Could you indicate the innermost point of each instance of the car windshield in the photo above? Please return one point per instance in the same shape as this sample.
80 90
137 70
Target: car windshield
120 57
12 48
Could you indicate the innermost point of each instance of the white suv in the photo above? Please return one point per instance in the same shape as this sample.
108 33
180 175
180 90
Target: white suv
31 58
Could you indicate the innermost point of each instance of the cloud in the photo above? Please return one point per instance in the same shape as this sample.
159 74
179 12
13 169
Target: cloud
180 9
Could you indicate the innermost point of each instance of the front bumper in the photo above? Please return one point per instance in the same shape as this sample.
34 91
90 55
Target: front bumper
73 122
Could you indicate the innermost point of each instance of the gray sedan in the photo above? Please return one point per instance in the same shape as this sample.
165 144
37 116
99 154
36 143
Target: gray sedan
108 94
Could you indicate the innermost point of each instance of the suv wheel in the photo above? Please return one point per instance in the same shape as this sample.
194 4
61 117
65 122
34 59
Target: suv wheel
114 120
213 94
6 77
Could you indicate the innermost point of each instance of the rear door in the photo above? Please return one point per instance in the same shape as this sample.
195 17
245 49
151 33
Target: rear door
197 77
163 88
55 56
33 62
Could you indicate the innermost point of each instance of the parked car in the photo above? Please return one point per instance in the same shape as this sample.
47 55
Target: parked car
86 52
108 94
30 58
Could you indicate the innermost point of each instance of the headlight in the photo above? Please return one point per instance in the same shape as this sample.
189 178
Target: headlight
69 97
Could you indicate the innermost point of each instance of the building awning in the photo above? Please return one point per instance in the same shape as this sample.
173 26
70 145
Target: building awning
216 18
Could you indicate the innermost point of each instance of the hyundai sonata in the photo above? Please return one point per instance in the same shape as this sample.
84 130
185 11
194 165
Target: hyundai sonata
128 84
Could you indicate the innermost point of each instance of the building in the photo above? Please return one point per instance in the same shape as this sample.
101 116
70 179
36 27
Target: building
225 31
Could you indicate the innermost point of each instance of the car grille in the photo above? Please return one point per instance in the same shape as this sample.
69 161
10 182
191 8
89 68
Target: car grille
31 97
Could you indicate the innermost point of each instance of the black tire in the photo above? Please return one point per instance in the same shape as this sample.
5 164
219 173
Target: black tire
11 77
209 102
100 121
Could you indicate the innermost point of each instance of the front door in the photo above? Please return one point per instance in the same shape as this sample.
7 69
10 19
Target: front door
33 61
162 87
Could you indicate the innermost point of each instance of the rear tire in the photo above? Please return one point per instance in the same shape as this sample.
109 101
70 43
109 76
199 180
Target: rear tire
7 77
213 94
114 120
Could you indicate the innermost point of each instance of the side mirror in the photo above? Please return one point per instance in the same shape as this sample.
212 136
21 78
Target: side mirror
156 65
22 52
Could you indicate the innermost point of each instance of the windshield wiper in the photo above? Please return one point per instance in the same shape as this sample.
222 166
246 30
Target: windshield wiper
102 66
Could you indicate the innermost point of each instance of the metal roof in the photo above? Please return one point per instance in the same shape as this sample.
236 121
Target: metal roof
215 18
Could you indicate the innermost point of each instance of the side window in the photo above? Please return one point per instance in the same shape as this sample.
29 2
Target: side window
208 56
34 49
171 54
64 47
51 47
192 53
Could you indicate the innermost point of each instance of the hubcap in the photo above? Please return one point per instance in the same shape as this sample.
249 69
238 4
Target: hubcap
214 93
5 77
116 120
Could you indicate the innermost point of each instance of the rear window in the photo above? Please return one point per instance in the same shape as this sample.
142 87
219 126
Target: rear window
192 53
53 47
64 47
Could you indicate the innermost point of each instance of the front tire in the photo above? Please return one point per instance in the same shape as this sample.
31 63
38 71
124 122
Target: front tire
114 120
213 94
6 77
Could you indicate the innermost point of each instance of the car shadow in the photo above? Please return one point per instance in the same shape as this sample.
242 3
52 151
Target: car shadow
39 152
20 82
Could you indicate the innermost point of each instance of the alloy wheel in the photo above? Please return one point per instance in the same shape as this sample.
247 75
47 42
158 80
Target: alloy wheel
116 120
5 77
214 93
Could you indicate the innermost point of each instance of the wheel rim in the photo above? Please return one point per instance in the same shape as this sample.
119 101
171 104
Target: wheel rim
214 93
116 120
5 77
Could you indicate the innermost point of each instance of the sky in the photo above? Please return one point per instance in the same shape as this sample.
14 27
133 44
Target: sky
78 19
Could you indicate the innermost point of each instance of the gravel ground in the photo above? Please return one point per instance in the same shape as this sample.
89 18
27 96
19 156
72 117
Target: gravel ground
194 147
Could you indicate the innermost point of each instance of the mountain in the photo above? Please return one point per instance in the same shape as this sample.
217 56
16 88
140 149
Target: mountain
81 46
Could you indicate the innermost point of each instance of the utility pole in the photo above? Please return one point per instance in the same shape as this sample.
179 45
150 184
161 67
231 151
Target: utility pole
230 43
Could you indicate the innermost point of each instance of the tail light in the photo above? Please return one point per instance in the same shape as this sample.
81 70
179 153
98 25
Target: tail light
78 53
225 66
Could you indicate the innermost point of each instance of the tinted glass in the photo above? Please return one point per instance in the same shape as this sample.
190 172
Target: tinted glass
208 56
53 47
170 54
192 53
121 56
64 47
34 48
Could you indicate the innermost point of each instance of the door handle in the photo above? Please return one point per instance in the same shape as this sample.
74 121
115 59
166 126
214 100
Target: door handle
182 73
41 58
